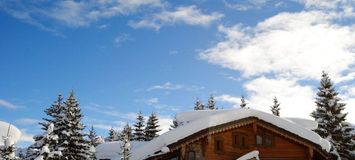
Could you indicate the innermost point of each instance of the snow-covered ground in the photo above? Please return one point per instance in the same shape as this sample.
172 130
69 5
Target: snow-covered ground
111 150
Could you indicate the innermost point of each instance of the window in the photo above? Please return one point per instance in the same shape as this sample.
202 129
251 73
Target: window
265 140
239 140
218 144
259 140
191 155
268 140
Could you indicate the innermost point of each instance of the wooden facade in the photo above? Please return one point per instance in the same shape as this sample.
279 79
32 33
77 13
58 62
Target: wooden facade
234 139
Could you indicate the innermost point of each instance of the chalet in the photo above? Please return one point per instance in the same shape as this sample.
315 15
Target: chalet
236 134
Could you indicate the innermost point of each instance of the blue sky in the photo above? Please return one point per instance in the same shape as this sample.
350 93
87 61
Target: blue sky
122 56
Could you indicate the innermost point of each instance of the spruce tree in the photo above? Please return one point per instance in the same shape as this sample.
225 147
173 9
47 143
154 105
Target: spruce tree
199 105
175 123
211 103
7 151
125 147
48 139
243 104
152 128
74 145
93 142
330 117
139 128
127 131
55 116
275 108
112 136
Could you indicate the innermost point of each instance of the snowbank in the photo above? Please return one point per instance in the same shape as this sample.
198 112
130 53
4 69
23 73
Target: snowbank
14 133
198 120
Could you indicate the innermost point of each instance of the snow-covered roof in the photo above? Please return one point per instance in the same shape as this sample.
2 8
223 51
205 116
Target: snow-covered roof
111 150
9 130
196 121
250 155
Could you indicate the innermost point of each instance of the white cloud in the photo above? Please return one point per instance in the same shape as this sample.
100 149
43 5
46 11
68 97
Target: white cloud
27 121
296 100
245 5
281 54
7 104
121 39
189 15
235 101
164 122
172 86
152 101
74 13
287 45
26 137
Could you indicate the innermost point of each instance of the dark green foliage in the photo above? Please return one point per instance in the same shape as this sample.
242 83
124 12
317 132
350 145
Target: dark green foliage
199 105
275 108
211 103
243 104
152 128
127 131
139 128
330 118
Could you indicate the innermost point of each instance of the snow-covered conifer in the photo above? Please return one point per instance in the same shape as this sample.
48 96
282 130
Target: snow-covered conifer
211 103
243 104
49 138
330 117
175 123
152 128
139 128
127 131
275 108
125 147
74 145
199 105
7 151
113 136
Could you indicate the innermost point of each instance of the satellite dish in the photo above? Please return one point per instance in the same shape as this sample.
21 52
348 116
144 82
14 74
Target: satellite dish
10 132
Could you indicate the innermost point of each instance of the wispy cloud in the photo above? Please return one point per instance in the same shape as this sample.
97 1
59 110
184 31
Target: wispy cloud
110 111
189 15
172 86
7 104
72 13
245 5
27 121
122 38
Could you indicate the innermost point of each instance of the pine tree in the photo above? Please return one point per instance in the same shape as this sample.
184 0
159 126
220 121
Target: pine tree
175 123
275 108
55 115
93 142
7 151
211 103
139 128
125 148
330 118
152 127
74 145
199 105
127 131
48 139
112 136
93 138
243 104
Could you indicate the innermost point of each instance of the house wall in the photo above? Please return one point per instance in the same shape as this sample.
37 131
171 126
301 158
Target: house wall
282 148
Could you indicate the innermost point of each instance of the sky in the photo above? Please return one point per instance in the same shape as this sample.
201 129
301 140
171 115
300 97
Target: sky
125 56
